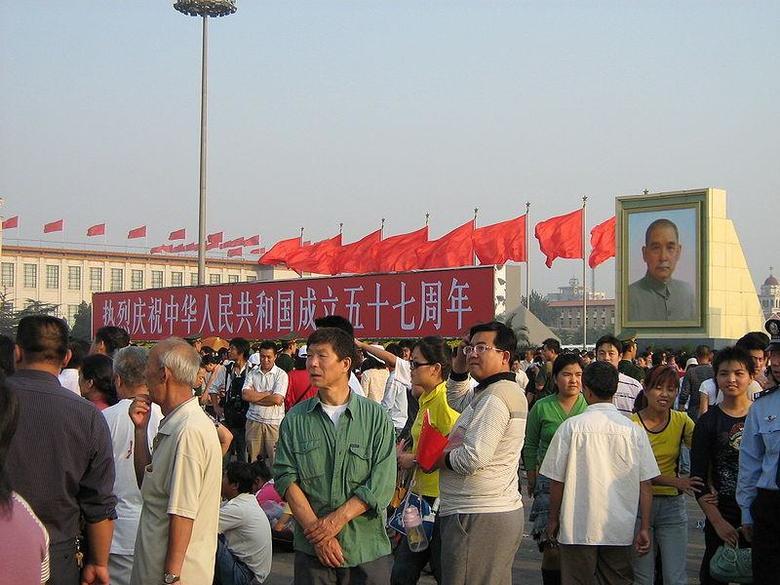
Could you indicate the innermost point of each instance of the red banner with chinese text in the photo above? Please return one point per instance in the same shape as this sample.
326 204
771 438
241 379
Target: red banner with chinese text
410 304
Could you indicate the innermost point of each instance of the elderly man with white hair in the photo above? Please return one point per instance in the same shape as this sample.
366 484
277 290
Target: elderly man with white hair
181 482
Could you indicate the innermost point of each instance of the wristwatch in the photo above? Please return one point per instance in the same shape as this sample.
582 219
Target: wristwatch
170 578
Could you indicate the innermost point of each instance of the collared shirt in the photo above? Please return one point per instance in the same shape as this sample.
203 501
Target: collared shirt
759 453
395 401
60 459
331 463
652 300
599 454
275 381
627 391
185 479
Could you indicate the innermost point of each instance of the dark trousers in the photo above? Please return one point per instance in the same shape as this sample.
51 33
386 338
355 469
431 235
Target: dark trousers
596 565
408 565
309 571
228 570
62 564
712 541
766 537
238 446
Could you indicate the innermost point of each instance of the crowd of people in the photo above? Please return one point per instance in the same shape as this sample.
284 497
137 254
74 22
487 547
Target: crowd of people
182 464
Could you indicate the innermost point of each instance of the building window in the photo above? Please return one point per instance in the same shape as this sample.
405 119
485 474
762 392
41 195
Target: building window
251 278
232 277
157 278
117 279
8 306
214 279
7 277
136 279
52 276
96 279
74 277
30 276
72 310
193 279
177 278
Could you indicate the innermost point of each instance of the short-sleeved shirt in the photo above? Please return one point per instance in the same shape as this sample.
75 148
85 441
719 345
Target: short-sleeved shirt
24 545
625 397
714 396
666 445
185 479
545 417
599 455
715 453
274 380
248 533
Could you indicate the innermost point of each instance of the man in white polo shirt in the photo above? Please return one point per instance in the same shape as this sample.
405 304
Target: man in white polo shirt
264 389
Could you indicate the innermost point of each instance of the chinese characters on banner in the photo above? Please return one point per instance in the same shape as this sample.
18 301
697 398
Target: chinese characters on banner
413 304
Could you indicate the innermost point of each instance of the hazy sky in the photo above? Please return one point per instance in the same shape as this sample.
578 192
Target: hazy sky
323 112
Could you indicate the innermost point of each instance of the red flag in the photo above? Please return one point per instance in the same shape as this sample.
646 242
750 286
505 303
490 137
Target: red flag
192 247
361 256
164 249
430 445
602 242
178 234
560 236
98 229
497 243
319 258
215 238
212 246
178 248
253 241
399 253
139 232
232 243
452 249
235 252
11 223
280 251
55 226
257 251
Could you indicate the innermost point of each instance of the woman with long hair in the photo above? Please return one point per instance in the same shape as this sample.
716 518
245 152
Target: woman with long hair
546 415
430 367
96 381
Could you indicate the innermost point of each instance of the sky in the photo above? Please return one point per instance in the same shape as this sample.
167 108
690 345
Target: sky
326 112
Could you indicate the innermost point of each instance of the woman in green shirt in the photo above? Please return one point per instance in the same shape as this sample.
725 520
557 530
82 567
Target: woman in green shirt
545 417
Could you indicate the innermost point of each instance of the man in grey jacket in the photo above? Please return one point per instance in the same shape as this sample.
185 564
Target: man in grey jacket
478 482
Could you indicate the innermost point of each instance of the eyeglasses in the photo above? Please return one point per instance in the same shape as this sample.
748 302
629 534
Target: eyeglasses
414 365
478 349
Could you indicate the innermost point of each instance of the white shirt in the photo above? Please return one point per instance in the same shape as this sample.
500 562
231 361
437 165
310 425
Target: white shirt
334 412
715 396
129 501
627 391
600 456
69 378
396 402
275 380
522 379
354 385
254 359
248 533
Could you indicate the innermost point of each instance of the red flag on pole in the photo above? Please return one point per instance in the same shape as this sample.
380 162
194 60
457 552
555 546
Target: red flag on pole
602 242
257 251
96 230
177 234
232 243
500 242
212 246
55 226
399 253
215 238
280 251
11 223
235 252
253 241
452 249
191 247
319 258
139 232
361 256
164 249
560 236
178 248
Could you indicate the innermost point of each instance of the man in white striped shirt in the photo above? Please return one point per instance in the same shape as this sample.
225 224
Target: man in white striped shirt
608 349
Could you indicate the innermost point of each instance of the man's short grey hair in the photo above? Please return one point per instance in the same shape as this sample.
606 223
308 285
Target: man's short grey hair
130 364
181 359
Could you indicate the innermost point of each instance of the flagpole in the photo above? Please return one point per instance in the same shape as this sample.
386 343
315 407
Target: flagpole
382 230
474 253
584 277
527 259
300 274
341 228
427 218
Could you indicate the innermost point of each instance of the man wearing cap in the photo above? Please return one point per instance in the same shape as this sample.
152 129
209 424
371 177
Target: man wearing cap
626 365
286 358
657 296
758 486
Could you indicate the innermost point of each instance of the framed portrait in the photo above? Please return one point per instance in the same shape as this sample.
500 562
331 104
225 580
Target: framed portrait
661 278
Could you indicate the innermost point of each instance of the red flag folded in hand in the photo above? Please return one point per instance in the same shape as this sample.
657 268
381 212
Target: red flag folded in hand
560 236
11 223
235 252
253 241
96 230
139 232
453 249
280 251
361 256
399 253
431 444
55 226
497 243
215 238
602 242
319 258
178 234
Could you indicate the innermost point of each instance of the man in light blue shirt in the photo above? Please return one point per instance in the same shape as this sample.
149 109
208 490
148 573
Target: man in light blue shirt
758 487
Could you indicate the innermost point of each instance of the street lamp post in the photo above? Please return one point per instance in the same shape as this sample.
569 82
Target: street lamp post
204 9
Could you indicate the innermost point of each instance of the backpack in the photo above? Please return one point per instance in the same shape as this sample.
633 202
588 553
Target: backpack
235 406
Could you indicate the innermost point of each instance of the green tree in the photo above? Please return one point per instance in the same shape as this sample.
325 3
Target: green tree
540 307
8 319
82 323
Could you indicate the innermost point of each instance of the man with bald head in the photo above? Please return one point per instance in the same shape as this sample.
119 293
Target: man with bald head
657 296
181 482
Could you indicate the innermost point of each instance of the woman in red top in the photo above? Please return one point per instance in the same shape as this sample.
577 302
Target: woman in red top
299 386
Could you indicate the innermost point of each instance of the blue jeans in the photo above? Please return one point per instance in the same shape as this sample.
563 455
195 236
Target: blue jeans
669 533
229 570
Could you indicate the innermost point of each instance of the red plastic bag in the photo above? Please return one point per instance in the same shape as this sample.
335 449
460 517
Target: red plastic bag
431 444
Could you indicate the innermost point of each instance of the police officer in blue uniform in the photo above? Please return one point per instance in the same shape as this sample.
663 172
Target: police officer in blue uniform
758 488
